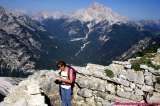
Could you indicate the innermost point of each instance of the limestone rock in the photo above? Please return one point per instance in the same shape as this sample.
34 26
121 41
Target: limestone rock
157 87
123 82
123 94
140 77
120 92
158 50
131 75
156 59
155 98
147 73
94 70
147 88
110 88
139 92
148 80
152 70
128 89
85 93
116 68
132 85
136 97
128 66
6 83
84 82
27 93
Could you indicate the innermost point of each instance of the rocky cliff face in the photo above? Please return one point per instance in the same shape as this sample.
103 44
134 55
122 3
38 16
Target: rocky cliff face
94 86
6 83
23 42
18 46
141 46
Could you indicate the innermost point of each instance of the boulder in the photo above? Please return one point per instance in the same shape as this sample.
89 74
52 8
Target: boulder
128 89
116 68
156 59
85 93
131 75
139 92
150 69
128 66
155 98
157 87
139 77
147 88
132 85
26 94
158 50
93 70
123 82
148 80
110 88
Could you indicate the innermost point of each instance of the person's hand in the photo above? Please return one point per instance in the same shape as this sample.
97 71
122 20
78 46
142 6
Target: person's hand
59 79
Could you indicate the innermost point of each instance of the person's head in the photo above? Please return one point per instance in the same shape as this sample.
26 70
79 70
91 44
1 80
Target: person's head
61 65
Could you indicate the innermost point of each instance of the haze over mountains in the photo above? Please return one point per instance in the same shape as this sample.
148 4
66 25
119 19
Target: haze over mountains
92 35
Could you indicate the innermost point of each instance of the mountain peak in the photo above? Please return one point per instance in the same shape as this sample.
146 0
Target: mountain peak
98 12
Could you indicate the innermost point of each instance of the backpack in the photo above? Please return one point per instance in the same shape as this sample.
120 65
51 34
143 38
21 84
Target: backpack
73 77
73 74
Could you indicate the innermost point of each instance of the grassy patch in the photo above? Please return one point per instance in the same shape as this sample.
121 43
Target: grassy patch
109 73
135 65
156 67
149 50
146 56
149 55
143 60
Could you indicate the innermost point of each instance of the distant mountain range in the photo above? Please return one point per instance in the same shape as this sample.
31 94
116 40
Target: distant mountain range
95 12
92 35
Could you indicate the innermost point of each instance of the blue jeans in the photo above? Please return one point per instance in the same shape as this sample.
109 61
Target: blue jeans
65 96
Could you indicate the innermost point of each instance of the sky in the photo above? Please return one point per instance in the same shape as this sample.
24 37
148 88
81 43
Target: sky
133 9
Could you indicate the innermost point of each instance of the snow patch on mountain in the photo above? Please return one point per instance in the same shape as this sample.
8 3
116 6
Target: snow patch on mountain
103 38
85 39
76 39
89 30
84 45
72 32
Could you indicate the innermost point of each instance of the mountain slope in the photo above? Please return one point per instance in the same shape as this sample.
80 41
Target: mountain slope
23 42
100 43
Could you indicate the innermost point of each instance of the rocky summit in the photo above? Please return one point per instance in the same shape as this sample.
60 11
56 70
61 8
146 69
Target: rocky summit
96 85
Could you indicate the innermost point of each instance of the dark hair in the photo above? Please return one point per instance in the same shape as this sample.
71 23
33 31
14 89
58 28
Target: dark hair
60 63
